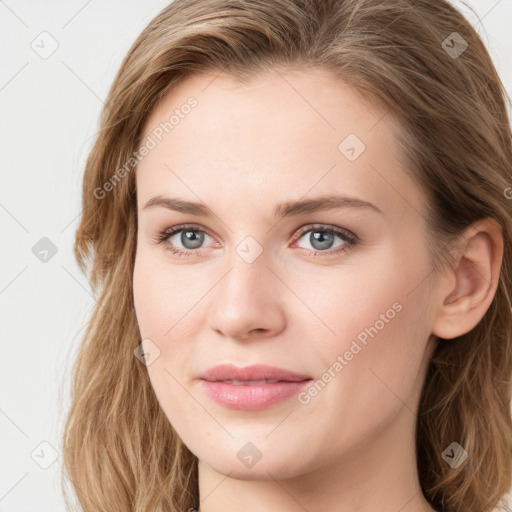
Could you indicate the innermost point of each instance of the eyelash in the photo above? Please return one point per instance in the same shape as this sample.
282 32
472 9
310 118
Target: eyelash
349 238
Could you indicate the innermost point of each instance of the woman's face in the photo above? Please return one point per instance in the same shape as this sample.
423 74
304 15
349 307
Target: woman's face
263 282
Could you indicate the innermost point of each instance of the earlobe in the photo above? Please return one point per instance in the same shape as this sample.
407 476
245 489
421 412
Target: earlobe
476 275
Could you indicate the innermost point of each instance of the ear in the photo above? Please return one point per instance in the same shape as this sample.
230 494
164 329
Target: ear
476 276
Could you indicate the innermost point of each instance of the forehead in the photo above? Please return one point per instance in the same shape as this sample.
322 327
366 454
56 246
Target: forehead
283 134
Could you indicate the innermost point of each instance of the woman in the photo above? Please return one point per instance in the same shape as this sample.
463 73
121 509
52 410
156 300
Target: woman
299 228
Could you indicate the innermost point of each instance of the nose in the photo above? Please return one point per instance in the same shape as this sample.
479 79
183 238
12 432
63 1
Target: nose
247 302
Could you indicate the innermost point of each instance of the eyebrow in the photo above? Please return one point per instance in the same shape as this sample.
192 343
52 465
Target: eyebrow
286 209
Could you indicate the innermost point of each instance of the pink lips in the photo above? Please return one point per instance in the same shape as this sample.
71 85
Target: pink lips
247 389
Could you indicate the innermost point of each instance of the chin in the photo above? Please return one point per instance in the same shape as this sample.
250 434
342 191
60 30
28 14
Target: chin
264 470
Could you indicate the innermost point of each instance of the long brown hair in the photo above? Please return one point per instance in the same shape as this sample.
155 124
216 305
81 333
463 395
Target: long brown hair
422 62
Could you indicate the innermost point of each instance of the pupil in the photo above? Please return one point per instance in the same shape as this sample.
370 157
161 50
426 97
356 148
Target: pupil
321 239
192 239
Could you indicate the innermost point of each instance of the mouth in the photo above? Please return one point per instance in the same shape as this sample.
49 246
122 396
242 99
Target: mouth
253 387
251 375
250 382
252 395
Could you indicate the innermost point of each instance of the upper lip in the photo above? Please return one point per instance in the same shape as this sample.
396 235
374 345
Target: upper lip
254 372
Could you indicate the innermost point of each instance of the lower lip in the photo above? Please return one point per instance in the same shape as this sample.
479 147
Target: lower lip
253 397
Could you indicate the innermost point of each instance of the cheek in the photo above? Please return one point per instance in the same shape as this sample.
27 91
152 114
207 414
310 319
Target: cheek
379 323
159 306
162 295
147 297
373 364
167 307
369 324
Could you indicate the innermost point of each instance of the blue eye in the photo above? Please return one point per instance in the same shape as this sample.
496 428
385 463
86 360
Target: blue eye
191 237
321 238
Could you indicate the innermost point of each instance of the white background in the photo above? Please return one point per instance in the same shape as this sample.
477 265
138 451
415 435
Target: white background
49 115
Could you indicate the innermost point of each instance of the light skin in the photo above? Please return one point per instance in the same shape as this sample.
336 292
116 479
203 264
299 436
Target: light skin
241 151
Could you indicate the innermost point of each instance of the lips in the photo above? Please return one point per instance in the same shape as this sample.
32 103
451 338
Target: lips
249 382
253 387
251 375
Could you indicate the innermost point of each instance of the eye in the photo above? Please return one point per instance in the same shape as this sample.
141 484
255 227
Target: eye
322 238
188 239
